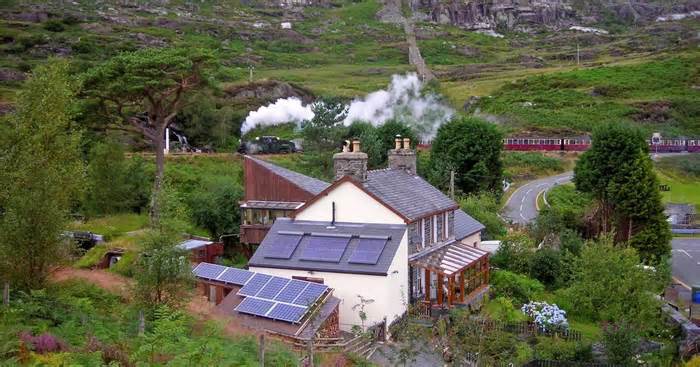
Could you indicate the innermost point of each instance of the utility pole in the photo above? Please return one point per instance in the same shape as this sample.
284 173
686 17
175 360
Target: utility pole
578 55
142 323
6 294
452 184
261 351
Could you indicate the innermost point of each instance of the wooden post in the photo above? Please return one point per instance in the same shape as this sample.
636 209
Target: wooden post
439 289
261 350
6 294
450 290
142 323
310 351
452 184
461 286
427 286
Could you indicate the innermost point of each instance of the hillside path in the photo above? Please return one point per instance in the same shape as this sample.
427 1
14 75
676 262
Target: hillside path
521 207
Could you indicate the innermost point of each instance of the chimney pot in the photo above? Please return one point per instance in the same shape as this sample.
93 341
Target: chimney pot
406 143
356 146
397 142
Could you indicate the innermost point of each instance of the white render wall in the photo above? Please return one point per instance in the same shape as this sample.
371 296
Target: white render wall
473 240
389 293
352 205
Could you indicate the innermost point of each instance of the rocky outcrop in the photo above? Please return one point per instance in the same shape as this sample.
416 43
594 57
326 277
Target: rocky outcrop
494 14
264 92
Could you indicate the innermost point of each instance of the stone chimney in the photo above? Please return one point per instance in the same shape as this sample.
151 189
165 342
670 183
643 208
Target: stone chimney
351 162
402 157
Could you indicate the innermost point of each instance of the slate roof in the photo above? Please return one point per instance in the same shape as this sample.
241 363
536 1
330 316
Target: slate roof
465 225
310 184
395 232
408 194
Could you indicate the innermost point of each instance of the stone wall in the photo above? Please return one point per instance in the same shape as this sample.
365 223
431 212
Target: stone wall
404 159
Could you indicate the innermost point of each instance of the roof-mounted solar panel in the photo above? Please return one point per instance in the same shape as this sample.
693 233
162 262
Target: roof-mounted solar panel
208 271
289 313
255 306
368 251
272 288
310 295
325 248
236 276
254 285
283 245
291 291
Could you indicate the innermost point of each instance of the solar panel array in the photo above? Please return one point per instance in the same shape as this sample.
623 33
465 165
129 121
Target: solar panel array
368 251
284 246
325 248
268 296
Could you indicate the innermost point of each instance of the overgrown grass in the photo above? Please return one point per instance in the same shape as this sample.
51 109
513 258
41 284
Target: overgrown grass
113 226
581 99
532 164
682 175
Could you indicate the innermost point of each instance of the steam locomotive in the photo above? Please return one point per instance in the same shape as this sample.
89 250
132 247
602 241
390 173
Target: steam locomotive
268 145
657 144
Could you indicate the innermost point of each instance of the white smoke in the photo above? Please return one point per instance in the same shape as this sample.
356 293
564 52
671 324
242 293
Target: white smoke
403 101
282 111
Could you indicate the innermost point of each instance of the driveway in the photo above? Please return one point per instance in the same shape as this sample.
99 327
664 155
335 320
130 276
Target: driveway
686 261
521 207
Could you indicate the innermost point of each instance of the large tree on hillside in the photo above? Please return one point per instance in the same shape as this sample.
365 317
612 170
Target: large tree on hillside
472 148
618 172
144 91
41 176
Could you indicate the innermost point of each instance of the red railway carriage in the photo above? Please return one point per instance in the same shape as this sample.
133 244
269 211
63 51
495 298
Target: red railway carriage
693 145
526 144
666 145
576 144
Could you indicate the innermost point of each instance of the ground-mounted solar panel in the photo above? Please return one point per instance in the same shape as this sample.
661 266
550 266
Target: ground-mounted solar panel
236 276
272 288
291 291
289 313
310 294
325 248
254 285
255 306
208 271
368 251
283 246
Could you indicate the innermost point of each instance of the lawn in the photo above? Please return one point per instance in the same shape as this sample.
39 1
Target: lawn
682 175
114 225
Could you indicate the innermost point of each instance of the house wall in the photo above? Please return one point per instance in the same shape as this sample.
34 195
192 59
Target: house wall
351 205
470 240
389 293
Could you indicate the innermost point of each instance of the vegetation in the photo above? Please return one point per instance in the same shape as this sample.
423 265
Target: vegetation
156 81
484 207
532 164
42 174
471 148
617 172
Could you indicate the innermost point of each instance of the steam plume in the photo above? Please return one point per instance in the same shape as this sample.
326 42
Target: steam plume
282 111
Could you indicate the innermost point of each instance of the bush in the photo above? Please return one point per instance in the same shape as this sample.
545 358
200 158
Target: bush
484 207
561 350
54 25
546 266
620 341
215 208
515 286
514 254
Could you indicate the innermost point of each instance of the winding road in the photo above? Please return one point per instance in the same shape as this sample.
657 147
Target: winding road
521 207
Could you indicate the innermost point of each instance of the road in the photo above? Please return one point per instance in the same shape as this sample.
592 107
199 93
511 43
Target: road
686 261
521 207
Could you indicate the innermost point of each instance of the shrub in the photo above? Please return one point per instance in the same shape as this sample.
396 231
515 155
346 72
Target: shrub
561 350
514 254
54 25
502 309
546 266
484 207
515 286
547 317
620 341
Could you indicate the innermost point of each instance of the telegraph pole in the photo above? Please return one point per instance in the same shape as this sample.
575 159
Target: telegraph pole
452 184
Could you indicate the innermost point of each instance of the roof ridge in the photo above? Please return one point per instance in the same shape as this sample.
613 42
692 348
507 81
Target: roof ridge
282 171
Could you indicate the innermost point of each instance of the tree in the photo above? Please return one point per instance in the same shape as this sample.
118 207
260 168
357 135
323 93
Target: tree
145 90
371 143
215 208
620 341
114 184
472 148
610 284
41 177
484 207
387 134
618 172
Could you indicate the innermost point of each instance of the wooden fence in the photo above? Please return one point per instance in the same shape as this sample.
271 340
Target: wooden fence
528 328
